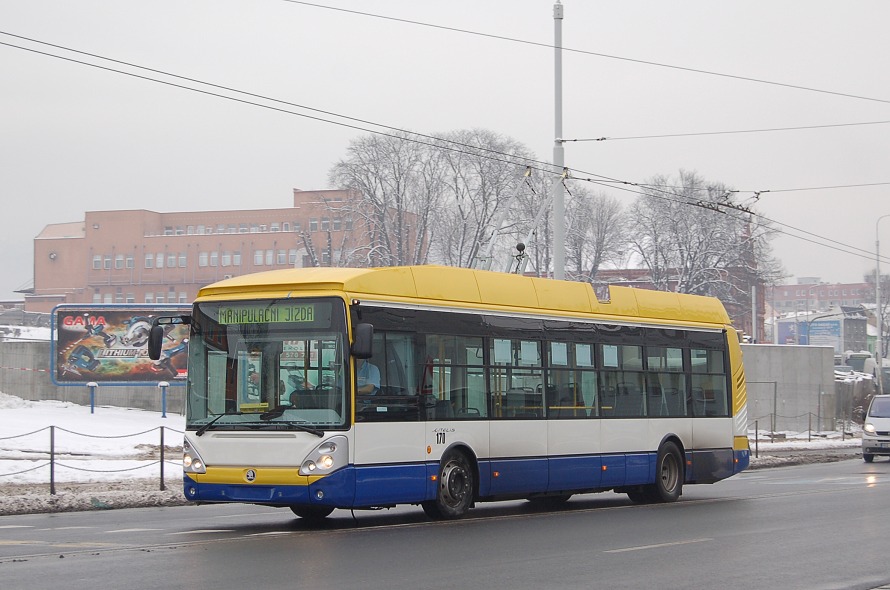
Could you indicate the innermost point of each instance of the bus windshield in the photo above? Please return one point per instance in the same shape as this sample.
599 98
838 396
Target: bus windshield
275 364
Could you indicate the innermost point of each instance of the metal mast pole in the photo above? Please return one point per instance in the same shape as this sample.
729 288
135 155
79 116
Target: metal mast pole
879 320
559 208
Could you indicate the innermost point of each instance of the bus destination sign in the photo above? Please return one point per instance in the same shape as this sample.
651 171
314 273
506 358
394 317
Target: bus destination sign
269 314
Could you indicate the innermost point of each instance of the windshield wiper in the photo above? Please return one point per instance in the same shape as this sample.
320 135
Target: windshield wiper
207 426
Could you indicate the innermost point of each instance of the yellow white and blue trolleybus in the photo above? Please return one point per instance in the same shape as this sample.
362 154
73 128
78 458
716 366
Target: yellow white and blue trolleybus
323 388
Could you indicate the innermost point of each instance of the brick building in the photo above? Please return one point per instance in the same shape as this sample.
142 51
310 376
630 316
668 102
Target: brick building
141 256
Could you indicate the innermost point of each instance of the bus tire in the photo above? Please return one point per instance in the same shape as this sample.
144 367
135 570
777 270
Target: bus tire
312 514
669 474
456 485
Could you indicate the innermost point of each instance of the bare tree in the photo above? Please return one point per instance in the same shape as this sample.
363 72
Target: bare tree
594 232
694 238
480 178
396 197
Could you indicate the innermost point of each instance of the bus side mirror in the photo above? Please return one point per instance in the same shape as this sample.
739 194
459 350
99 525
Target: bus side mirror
156 334
363 336
155 341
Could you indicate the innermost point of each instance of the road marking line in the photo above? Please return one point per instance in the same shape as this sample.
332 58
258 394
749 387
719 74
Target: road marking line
200 531
657 546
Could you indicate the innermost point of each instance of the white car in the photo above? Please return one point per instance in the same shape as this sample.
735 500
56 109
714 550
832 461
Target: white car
876 429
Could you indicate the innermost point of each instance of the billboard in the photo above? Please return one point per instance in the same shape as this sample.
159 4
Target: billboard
108 344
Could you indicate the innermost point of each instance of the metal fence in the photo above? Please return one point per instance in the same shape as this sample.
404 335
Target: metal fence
51 459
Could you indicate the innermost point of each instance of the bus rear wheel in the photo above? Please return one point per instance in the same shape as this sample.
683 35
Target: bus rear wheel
669 475
456 484
312 513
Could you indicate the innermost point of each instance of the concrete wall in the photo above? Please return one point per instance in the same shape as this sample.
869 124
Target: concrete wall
25 373
803 395
794 383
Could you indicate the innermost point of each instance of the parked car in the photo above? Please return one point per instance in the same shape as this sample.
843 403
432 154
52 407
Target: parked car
876 429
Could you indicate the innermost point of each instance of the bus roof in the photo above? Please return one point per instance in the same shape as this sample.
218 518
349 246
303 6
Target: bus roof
462 287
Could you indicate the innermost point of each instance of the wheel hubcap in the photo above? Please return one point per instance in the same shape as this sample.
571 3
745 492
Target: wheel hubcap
669 473
454 483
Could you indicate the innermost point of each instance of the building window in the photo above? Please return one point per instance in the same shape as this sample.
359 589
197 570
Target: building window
97 262
131 262
168 230
149 260
296 226
274 227
258 258
200 229
159 298
214 258
254 228
202 259
97 297
182 260
282 257
325 224
292 256
313 224
347 223
226 259
130 298
119 261
106 262
337 224
270 257
242 228
171 260
179 230
183 297
190 230
232 229
107 298
149 297
236 258
285 226
159 261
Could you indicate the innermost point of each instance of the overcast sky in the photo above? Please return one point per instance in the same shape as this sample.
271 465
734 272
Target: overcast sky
75 138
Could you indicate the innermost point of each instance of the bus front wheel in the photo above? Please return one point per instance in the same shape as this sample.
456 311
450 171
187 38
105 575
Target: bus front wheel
454 493
312 513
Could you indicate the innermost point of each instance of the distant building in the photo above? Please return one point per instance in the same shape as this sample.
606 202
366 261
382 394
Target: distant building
810 294
145 257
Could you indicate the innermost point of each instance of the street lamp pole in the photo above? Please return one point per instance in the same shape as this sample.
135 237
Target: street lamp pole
879 356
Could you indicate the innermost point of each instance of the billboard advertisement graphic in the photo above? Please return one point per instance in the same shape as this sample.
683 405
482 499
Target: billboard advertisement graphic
109 345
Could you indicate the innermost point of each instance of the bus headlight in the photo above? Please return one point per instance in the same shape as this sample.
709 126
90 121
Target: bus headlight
191 460
329 456
869 428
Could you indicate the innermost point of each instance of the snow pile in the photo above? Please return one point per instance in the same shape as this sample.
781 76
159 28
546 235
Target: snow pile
106 459
25 333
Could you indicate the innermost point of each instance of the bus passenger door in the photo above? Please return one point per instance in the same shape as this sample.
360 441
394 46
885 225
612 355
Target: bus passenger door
389 438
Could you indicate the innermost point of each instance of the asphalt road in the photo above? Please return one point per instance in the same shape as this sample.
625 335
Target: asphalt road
808 526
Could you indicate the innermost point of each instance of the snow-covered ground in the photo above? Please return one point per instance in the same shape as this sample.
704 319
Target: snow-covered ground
25 333
110 458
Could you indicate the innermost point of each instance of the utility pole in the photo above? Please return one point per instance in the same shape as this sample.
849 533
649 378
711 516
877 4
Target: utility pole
559 208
